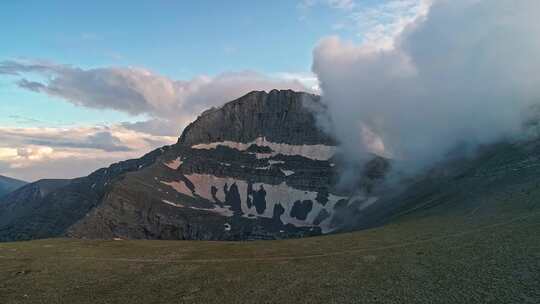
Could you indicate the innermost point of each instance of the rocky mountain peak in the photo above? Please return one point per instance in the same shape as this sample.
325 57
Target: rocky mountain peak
280 116
256 167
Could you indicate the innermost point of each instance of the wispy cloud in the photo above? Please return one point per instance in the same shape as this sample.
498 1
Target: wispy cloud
21 149
337 4
305 6
378 25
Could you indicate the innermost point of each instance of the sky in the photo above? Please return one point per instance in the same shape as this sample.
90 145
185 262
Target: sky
86 84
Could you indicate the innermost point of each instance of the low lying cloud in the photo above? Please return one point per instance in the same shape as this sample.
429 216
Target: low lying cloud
24 150
461 73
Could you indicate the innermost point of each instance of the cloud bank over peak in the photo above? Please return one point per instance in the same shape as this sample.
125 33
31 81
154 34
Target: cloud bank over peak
462 73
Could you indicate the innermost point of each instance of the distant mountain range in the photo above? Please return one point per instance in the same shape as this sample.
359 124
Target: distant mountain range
8 184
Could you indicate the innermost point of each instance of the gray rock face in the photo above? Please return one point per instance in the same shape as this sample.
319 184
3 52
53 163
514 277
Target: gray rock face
280 116
256 168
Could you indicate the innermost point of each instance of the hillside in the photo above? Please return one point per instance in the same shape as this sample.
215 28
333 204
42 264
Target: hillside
440 258
8 184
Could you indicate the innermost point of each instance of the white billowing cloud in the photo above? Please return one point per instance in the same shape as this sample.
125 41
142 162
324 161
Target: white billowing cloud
462 73
308 80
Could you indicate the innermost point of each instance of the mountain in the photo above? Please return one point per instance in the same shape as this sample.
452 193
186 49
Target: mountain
256 168
8 185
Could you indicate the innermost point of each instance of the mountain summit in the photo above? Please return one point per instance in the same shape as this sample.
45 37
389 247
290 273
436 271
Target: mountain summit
256 168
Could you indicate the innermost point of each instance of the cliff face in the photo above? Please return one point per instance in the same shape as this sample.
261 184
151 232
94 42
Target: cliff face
279 116
256 168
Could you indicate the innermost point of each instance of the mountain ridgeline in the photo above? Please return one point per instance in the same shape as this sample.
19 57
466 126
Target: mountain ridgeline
256 168
8 185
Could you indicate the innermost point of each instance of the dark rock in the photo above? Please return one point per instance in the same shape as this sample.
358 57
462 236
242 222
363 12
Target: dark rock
279 116
259 200
232 198
323 215
322 196
301 209
278 212
258 149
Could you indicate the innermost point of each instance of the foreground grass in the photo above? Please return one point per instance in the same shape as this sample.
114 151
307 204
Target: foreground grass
425 260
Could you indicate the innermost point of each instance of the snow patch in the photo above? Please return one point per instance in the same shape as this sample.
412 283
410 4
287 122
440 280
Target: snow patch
175 164
180 187
275 194
173 204
224 211
287 172
316 152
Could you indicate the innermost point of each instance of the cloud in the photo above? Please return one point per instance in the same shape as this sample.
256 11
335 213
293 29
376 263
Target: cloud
66 167
99 138
308 80
336 4
168 105
378 25
462 74
101 141
341 4
137 91
32 153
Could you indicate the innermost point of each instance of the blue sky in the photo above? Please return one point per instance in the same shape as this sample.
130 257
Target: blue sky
69 68
179 39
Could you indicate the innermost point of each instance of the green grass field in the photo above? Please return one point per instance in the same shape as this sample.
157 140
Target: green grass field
428 259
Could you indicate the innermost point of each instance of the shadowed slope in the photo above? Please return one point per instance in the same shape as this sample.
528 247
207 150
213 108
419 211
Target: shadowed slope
8 184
